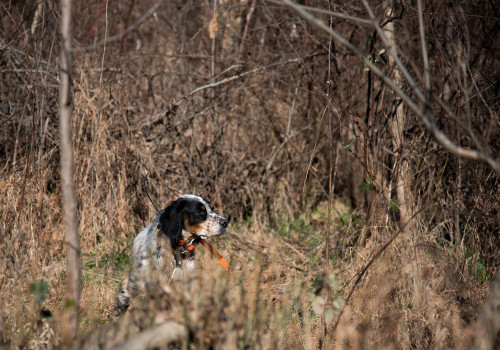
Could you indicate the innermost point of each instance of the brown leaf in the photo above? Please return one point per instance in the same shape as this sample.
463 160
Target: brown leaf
213 27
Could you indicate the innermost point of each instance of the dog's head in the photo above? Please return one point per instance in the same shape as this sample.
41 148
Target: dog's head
194 215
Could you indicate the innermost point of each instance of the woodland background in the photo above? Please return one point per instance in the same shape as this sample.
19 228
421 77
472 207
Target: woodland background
352 226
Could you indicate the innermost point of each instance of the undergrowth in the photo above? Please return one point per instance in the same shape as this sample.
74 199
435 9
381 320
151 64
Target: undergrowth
289 135
276 294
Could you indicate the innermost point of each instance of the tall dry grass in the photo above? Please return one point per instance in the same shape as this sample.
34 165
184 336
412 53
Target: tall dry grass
308 181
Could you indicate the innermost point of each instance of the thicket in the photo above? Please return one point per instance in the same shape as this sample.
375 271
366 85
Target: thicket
321 166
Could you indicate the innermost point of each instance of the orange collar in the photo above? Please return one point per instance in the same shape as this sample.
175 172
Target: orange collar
191 245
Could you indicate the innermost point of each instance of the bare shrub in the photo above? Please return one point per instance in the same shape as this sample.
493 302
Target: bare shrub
290 134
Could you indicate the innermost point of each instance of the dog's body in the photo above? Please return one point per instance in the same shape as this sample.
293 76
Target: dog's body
160 249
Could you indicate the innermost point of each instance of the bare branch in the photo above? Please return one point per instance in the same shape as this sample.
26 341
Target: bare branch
336 36
334 14
285 141
425 56
247 25
426 115
119 36
241 75
394 55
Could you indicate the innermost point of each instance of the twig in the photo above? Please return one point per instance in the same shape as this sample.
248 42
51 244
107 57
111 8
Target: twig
331 13
361 273
292 109
394 54
302 256
425 56
94 25
247 25
214 18
117 37
100 275
296 52
95 136
241 75
285 141
427 115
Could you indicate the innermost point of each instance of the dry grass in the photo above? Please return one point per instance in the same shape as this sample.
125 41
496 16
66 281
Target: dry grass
415 296
265 148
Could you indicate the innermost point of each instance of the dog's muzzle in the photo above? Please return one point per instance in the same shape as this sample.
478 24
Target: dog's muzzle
222 224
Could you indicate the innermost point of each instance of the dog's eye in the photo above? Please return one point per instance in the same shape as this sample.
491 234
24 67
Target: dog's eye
200 212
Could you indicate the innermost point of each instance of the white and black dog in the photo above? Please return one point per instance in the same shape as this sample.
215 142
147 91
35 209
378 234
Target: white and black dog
161 249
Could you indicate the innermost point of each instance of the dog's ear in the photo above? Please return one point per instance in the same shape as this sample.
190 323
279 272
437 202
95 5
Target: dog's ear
171 222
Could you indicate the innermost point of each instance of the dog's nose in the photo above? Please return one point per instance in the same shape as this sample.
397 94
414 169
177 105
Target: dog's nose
224 222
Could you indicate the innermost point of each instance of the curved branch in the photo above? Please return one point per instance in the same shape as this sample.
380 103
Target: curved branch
426 114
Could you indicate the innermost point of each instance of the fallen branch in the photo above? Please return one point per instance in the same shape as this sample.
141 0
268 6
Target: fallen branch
163 334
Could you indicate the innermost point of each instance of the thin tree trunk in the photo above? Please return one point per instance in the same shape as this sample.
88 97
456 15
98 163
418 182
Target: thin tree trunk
70 318
397 129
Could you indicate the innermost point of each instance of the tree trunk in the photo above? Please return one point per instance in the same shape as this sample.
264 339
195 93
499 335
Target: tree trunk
69 323
487 333
397 123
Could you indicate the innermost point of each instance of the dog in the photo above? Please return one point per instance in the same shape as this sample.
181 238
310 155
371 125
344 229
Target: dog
164 244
